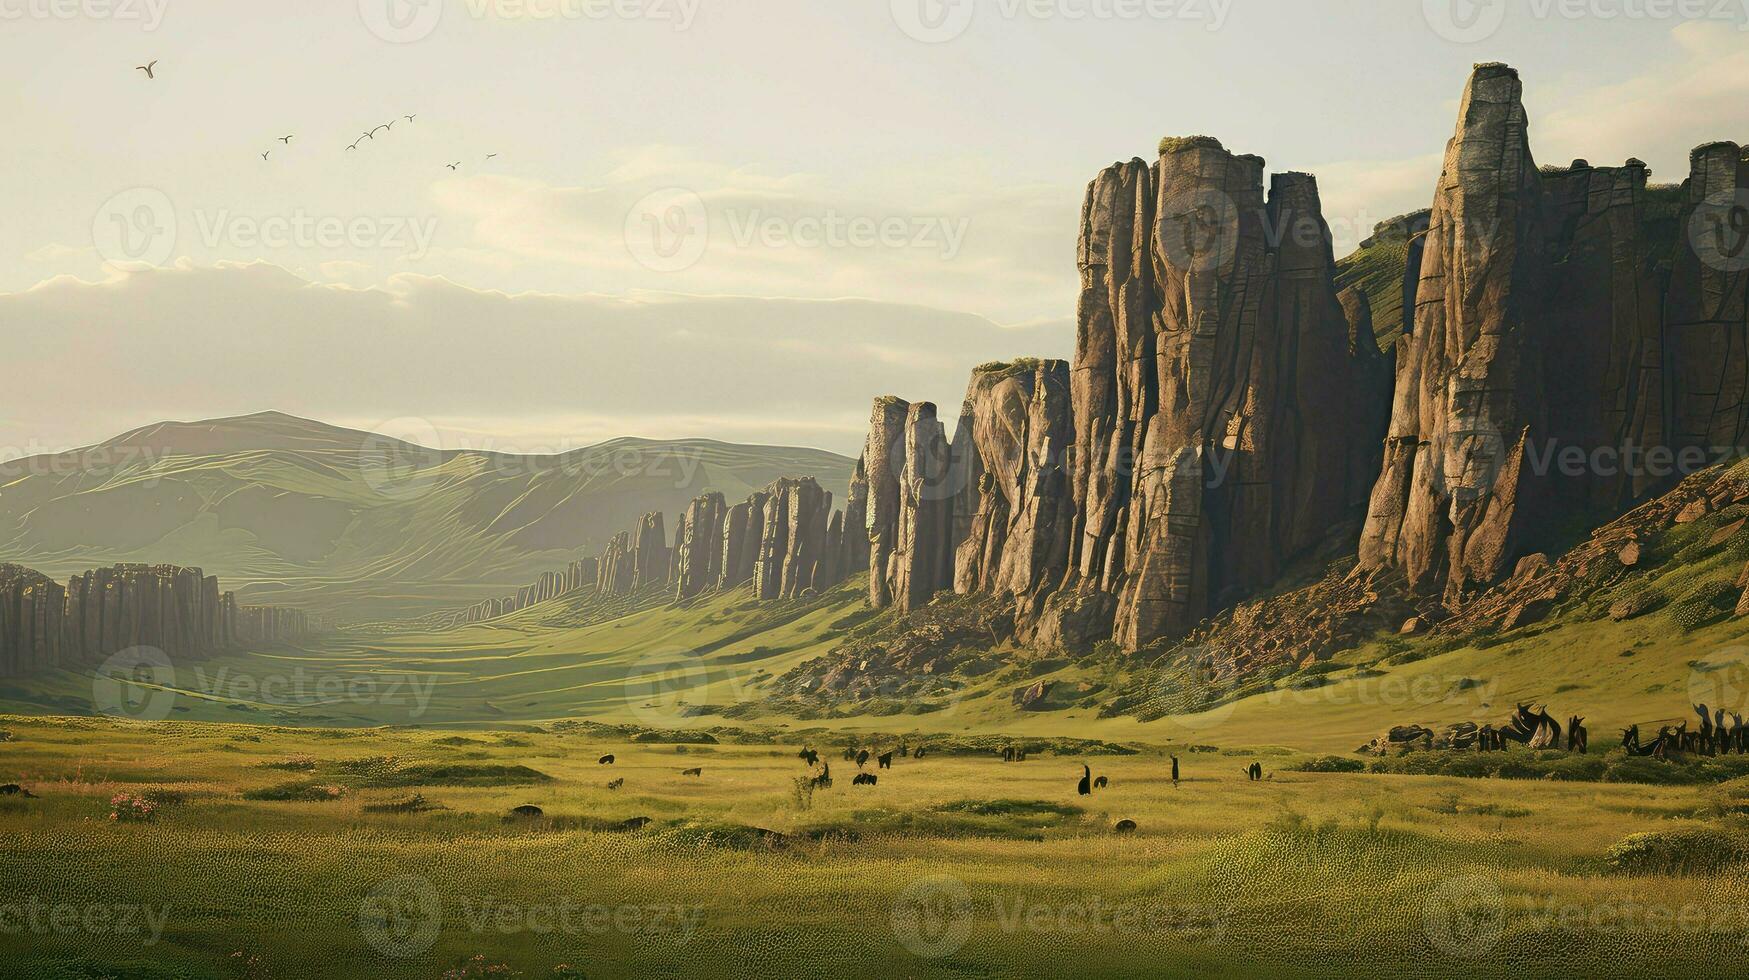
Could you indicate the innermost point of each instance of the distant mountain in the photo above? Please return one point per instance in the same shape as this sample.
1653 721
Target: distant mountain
354 524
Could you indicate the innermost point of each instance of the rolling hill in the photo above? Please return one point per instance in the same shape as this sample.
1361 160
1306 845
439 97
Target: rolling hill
355 525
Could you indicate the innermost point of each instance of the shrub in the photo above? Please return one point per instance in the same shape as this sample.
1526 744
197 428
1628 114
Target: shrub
131 808
1686 851
1328 763
299 791
1705 604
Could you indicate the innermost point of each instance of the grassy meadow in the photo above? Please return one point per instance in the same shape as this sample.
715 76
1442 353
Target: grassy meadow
279 852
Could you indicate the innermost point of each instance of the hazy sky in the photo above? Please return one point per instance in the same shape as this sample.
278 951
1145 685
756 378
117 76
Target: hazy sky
730 218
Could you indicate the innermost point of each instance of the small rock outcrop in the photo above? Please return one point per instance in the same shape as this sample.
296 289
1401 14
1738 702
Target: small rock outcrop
650 552
793 541
615 570
580 574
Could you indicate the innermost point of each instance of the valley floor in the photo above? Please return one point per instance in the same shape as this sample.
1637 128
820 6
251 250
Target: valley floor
266 855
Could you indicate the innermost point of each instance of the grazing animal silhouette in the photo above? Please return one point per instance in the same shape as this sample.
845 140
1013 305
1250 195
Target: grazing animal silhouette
824 779
616 784
1254 771
528 810
699 771
864 779
606 760
1085 786
1175 770
1125 827
13 789
1007 753
1101 783
635 823
810 757
885 761
862 758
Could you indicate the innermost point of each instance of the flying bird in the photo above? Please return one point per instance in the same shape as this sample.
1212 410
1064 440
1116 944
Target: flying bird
409 118
147 68
374 129
264 154
490 155
454 166
355 143
286 139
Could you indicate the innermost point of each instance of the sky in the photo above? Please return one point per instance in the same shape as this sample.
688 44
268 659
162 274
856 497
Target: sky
740 219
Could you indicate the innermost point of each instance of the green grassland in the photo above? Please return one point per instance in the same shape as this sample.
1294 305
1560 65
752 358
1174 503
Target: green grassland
353 525
953 865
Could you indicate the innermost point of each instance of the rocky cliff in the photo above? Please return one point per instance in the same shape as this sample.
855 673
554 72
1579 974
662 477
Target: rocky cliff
180 611
33 611
1556 362
582 573
1222 414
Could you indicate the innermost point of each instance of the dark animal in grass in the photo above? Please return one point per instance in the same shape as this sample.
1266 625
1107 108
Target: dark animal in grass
697 771
13 789
809 756
1254 771
1125 827
1704 738
862 758
885 761
920 750
606 760
1175 770
1101 783
1578 738
1007 753
635 823
864 779
527 811
850 754
1085 786
616 784
824 779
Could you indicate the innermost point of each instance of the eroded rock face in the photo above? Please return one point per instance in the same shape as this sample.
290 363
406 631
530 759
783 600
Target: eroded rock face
793 539
258 625
922 559
1706 313
617 573
650 552
173 609
699 550
1014 510
1534 332
882 464
32 621
743 530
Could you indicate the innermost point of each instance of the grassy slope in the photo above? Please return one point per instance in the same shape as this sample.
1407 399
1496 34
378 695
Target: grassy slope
1378 272
301 513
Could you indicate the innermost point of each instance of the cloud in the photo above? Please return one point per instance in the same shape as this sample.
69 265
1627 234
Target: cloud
1700 94
1005 252
190 342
